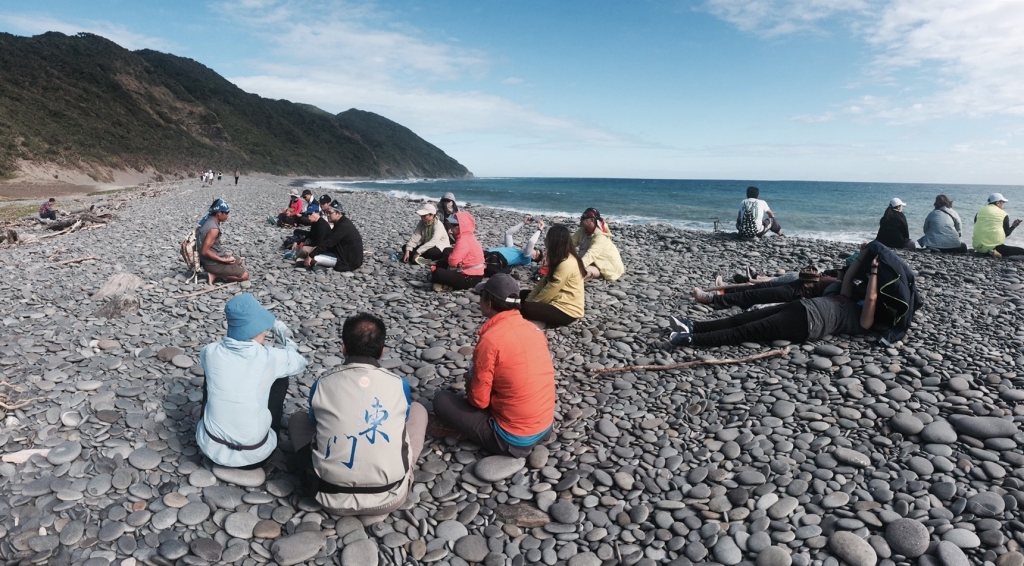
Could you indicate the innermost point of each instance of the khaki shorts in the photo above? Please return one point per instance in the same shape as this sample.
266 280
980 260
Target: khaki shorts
226 269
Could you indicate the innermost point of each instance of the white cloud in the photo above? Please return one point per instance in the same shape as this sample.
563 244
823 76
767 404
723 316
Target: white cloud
34 24
779 17
338 57
512 81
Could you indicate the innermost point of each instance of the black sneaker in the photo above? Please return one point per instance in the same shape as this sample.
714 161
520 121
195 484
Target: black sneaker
681 338
684 325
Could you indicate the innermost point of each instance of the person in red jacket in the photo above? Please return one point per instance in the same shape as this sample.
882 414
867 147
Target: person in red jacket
510 393
464 267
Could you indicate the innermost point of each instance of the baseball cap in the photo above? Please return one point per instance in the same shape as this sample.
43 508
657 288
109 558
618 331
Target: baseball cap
324 200
501 286
453 220
896 202
996 197
427 208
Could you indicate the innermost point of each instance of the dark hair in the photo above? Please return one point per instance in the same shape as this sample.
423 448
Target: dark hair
499 304
753 192
53 199
307 192
943 200
559 248
363 335
890 212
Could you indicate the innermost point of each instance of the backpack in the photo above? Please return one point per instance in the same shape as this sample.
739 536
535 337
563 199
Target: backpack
495 263
190 255
747 225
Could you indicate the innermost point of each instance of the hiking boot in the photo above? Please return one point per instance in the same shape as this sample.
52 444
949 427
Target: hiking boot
703 297
680 338
683 325
420 260
995 254
442 288
440 429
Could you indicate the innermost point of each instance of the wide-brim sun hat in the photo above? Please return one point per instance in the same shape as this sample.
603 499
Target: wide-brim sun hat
246 317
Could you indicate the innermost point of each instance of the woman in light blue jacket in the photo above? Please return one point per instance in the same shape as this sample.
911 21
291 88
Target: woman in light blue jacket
942 228
246 383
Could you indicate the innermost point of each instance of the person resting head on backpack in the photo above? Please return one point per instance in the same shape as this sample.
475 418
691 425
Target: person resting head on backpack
218 263
754 218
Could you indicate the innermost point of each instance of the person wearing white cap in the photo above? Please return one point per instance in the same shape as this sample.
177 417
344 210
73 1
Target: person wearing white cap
992 226
429 239
893 230
296 206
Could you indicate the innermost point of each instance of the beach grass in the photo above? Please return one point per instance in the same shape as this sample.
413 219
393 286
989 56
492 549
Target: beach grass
15 212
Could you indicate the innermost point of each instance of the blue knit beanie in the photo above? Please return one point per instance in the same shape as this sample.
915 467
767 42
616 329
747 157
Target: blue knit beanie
246 317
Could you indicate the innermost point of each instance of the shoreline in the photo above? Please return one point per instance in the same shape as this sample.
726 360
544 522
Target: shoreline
670 467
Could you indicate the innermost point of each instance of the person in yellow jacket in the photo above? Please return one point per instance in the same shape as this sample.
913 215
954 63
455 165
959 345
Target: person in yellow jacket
593 243
557 299
991 228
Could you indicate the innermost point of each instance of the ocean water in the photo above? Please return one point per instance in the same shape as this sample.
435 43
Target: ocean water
847 212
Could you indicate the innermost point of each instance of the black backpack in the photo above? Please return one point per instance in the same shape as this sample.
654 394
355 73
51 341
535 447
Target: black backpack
495 263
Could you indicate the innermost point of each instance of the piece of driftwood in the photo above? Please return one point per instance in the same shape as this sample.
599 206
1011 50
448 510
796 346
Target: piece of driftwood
119 305
117 284
694 363
64 231
204 291
9 404
75 219
78 260
9 236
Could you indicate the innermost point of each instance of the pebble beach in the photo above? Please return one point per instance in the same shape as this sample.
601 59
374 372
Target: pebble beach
842 451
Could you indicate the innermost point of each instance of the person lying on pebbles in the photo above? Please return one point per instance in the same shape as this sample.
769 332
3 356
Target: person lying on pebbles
342 249
510 393
797 321
808 284
429 239
245 386
464 266
593 243
368 432
218 263
509 255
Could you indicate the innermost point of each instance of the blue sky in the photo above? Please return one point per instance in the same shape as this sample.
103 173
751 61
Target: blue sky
838 90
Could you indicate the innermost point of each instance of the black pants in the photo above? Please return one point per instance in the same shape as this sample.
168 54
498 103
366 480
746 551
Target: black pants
285 218
781 322
1005 250
236 180
959 250
454 279
476 424
303 220
51 215
766 295
275 403
550 315
433 254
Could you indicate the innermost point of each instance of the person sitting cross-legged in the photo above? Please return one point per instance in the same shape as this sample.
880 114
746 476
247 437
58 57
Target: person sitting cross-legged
363 433
510 394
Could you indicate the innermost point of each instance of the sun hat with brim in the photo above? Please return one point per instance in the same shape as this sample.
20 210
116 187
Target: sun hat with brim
502 287
427 208
896 202
246 317
996 197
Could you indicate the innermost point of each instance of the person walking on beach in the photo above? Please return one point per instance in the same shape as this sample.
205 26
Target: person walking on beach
942 228
218 263
343 248
363 433
893 230
558 298
245 386
991 228
237 175
429 239
512 256
464 266
47 210
755 218
510 392
594 246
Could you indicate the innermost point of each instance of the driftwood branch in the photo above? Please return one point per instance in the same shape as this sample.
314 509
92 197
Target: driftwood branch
7 405
693 363
204 291
77 260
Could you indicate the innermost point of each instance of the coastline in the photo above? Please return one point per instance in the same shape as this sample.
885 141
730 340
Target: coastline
661 448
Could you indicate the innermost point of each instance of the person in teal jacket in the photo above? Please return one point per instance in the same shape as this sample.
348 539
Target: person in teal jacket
246 383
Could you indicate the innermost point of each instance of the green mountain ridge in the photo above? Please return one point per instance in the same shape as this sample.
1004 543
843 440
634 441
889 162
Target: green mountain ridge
84 102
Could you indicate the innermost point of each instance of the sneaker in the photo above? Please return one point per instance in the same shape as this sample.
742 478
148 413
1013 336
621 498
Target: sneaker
681 338
289 255
420 260
995 253
684 325
441 288
440 429
718 281
703 297
272 220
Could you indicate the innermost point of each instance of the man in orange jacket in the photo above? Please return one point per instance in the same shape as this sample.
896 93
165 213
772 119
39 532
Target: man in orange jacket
510 394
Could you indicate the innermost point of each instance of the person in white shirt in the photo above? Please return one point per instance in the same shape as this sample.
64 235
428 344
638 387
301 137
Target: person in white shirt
754 218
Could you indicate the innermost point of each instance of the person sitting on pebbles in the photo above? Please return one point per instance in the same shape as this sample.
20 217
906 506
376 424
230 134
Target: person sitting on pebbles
754 218
363 433
510 254
446 208
429 239
510 393
558 298
245 386
593 243
796 321
343 247
47 210
464 266
991 228
893 230
309 206
291 213
218 263
319 229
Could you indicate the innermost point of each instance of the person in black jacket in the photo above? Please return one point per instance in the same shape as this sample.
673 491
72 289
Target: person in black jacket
319 230
343 247
893 230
